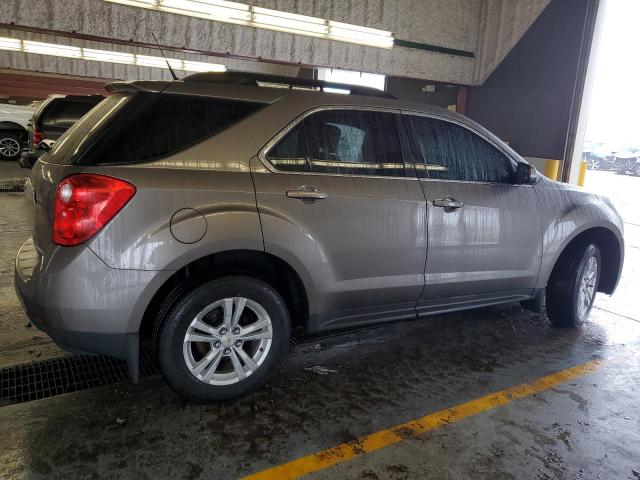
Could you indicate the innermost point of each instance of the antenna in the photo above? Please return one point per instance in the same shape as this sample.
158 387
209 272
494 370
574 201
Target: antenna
173 74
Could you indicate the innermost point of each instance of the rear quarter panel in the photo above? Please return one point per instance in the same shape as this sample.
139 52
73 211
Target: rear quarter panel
140 237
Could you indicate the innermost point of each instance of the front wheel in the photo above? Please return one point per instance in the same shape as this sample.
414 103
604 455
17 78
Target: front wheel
572 287
10 146
224 339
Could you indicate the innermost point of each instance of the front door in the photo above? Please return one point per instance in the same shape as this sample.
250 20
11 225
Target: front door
484 231
335 204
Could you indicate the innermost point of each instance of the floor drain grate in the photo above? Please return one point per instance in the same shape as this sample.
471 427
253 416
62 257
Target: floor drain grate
56 376
48 378
17 189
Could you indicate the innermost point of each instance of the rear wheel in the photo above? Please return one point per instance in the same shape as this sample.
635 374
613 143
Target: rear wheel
224 339
573 286
10 146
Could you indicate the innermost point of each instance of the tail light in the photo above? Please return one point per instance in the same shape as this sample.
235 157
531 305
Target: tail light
84 204
38 137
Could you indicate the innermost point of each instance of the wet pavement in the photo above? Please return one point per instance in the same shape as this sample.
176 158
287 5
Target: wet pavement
587 428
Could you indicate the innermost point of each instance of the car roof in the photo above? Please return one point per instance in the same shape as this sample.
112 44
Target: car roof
270 88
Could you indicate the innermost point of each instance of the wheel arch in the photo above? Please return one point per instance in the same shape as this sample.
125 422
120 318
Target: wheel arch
7 126
611 251
258 264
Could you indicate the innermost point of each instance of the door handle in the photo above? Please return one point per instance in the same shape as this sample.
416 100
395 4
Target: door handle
449 204
306 193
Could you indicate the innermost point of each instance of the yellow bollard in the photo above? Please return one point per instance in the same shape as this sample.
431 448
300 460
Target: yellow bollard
551 169
583 173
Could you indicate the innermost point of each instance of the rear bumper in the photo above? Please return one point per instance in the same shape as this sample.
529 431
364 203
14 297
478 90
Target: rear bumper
82 304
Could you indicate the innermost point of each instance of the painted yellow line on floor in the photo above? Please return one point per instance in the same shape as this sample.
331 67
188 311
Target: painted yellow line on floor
348 451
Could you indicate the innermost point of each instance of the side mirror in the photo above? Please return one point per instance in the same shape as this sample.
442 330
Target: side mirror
526 174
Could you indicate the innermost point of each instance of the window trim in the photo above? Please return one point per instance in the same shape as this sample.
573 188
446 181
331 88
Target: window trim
444 118
409 167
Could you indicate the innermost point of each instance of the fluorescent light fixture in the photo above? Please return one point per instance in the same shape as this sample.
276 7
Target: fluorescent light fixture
210 9
243 14
51 49
108 56
10 44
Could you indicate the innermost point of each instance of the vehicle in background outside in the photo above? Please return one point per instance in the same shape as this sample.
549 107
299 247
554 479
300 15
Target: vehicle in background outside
14 120
630 166
54 117
215 215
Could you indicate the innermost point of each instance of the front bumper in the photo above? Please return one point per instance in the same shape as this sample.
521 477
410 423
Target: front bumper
82 304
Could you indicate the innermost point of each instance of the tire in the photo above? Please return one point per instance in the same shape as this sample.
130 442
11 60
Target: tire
10 146
213 365
566 307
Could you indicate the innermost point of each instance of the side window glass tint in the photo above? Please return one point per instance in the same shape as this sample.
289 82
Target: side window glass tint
452 152
290 153
163 124
354 142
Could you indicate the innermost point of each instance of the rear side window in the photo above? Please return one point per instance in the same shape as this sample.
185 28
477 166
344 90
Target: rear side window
350 142
452 152
169 123
148 126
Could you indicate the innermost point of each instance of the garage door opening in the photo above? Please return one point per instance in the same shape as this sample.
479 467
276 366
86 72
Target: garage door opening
611 148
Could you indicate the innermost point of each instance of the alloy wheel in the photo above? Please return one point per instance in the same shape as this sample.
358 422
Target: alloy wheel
587 286
9 147
227 341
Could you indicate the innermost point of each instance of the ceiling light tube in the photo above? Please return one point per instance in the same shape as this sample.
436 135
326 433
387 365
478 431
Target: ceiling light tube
107 56
213 10
10 44
267 21
51 49
258 17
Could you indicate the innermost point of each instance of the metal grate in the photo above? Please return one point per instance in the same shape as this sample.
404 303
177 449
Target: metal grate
33 381
56 376
12 189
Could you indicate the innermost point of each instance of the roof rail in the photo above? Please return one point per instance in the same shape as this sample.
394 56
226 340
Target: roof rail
255 79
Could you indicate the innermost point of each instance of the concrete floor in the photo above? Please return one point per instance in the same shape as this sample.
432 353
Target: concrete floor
587 428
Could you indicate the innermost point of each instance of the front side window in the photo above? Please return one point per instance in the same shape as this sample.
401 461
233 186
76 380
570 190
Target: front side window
350 142
354 142
452 152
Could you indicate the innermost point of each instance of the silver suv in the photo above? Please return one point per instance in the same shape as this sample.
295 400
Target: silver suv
215 214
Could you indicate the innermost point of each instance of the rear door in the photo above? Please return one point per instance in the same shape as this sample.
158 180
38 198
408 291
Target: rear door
484 231
335 203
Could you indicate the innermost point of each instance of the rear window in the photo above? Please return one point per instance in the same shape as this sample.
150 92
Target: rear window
141 127
64 113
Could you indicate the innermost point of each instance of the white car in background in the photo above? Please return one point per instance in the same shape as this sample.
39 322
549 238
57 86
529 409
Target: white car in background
14 120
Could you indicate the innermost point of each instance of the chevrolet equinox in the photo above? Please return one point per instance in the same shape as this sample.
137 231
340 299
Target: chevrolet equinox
213 215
